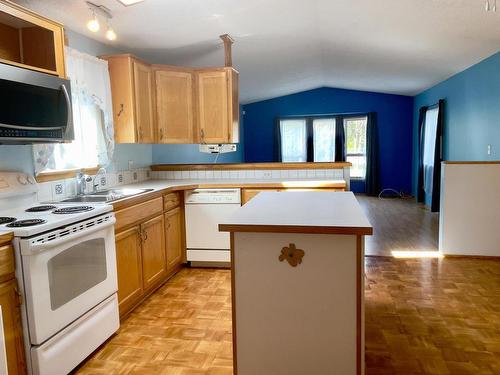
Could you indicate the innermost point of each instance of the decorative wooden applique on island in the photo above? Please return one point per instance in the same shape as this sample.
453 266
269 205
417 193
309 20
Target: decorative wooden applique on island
292 255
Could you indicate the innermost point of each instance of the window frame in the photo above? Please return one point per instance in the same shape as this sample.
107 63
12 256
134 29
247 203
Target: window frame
339 119
354 118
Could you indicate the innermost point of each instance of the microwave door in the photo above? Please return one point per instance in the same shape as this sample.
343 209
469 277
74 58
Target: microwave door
39 111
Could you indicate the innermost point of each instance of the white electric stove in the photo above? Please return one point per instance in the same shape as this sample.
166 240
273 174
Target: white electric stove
66 271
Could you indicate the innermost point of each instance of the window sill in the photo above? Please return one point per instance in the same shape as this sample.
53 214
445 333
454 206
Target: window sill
61 175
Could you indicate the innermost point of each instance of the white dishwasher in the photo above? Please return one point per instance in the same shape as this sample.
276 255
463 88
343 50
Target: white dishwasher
205 210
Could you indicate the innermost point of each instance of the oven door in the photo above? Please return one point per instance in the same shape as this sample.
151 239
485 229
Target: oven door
67 276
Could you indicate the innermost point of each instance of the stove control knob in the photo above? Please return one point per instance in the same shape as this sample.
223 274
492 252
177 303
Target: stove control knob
22 179
31 180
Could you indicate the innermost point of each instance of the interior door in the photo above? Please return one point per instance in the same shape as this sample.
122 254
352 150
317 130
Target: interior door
143 91
174 106
129 266
173 230
154 263
213 111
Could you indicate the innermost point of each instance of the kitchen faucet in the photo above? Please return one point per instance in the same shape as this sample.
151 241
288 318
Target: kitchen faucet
95 185
81 182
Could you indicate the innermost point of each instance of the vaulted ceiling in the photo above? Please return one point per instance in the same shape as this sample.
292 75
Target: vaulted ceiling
286 46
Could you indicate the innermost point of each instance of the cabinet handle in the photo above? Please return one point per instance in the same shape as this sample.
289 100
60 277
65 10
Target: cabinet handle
292 255
144 236
18 295
161 133
140 134
202 135
120 111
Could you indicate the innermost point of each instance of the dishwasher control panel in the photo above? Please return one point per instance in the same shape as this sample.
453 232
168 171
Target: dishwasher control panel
213 196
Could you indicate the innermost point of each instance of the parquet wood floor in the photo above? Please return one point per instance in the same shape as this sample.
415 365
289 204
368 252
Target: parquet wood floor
183 328
423 316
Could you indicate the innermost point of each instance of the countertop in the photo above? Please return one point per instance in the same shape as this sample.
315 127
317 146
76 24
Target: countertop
243 183
164 186
300 212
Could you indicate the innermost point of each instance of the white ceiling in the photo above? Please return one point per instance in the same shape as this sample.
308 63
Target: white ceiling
285 46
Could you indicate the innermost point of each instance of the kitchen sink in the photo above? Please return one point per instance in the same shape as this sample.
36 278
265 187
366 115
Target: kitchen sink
106 196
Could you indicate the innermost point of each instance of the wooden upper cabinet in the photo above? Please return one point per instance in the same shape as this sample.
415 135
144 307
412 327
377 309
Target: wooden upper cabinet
144 102
217 105
154 264
133 102
30 41
174 104
166 104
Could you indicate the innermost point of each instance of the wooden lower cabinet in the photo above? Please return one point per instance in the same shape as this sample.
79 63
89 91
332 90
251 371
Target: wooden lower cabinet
149 247
173 231
154 263
129 267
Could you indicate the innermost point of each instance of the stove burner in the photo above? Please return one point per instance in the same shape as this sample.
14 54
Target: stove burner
26 223
40 208
5 220
72 210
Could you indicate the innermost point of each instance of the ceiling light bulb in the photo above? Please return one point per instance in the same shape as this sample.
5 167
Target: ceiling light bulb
93 25
110 34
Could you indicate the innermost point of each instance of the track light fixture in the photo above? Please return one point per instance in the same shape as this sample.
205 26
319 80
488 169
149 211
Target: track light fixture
94 25
490 5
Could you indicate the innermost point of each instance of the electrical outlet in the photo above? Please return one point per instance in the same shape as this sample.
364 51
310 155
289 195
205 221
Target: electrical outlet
135 176
120 178
488 149
58 189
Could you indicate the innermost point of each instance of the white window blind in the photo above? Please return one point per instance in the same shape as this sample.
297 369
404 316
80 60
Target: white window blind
293 140
324 139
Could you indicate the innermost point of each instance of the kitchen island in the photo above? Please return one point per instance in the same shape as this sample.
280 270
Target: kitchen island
297 284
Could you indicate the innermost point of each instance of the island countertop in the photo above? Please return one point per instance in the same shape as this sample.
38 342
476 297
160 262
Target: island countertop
300 212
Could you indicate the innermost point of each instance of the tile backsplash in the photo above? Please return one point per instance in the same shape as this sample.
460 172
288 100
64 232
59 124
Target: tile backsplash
60 189
249 174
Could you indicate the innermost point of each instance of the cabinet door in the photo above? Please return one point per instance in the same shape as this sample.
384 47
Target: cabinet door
174 106
143 94
129 268
213 110
12 328
154 264
173 230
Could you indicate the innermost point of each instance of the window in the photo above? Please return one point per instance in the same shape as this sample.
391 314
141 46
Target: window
355 144
312 139
307 139
429 148
324 139
293 140
92 119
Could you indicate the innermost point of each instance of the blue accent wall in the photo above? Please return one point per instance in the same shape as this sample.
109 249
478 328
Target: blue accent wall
472 114
395 116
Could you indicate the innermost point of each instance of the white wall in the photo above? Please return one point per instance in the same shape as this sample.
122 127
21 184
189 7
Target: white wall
469 222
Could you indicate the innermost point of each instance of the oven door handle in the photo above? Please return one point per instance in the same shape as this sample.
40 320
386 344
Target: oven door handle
39 247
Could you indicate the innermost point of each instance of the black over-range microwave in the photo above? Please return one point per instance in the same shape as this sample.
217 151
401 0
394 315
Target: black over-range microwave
34 107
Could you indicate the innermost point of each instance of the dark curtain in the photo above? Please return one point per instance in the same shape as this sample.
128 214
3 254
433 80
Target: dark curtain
277 142
340 151
438 158
420 178
372 179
